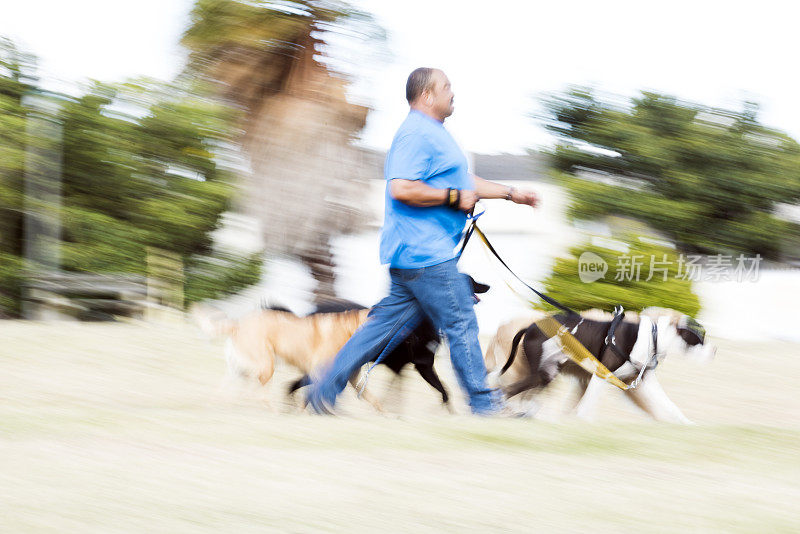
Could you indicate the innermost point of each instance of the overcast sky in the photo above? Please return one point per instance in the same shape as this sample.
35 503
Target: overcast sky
499 55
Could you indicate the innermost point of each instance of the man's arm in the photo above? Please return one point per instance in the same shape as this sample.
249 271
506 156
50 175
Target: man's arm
416 193
487 189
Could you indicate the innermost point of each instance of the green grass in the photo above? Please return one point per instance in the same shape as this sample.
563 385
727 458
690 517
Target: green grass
121 428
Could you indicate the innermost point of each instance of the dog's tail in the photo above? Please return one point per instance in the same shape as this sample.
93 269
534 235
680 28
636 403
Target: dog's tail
513 354
213 323
493 358
301 382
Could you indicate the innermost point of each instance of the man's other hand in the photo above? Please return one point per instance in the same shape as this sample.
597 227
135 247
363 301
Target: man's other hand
468 200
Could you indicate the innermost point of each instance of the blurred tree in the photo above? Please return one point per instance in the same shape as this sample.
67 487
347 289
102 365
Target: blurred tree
16 79
267 58
140 168
707 178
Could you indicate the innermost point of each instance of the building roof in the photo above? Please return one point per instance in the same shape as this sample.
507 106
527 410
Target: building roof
500 167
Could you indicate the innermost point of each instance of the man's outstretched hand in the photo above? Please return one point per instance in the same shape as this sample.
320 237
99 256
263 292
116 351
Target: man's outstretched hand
523 196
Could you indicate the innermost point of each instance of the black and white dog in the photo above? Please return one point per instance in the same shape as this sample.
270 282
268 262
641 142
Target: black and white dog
639 343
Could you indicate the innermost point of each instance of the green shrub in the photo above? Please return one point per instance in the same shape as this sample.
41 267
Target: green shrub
213 277
11 278
620 284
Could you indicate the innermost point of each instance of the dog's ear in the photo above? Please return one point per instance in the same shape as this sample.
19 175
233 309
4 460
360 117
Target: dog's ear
690 330
477 287
480 288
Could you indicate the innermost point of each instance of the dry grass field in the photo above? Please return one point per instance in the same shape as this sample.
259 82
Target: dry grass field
125 428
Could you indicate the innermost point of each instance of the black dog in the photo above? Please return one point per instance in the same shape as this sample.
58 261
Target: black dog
418 348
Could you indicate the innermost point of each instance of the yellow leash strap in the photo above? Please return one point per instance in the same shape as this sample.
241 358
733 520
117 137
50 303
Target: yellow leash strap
577 352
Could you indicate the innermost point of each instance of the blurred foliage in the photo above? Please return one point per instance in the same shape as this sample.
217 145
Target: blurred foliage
11 279
248 50
266 31
214 276
707 178
139 168
16 70
631 291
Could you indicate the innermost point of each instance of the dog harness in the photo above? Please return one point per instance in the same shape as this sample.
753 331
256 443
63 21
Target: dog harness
611 342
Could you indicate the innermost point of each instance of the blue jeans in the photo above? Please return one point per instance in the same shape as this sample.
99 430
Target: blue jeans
439 292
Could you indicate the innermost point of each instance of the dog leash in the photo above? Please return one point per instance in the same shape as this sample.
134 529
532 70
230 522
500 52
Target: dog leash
472 219
473 228
574 348
398 337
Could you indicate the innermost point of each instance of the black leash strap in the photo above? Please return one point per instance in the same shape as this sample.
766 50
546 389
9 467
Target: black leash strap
466 239
469 231
549 300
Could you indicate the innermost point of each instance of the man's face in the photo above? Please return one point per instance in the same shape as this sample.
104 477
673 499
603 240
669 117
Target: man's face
441 95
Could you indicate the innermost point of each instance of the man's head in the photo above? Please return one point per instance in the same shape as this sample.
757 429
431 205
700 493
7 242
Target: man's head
429 91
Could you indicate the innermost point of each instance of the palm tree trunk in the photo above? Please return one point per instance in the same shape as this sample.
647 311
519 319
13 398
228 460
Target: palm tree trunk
306 177
320 262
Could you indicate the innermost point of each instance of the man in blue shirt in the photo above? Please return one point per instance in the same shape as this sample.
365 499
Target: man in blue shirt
428 194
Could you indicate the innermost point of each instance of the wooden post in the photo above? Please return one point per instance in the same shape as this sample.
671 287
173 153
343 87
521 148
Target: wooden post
164 284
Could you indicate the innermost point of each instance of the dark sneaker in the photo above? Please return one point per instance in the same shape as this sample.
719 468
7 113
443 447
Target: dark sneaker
316 404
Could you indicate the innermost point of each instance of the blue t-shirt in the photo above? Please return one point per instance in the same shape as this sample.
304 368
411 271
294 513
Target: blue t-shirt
414 237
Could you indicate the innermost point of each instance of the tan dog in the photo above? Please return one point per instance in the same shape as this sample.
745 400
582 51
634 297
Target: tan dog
254 341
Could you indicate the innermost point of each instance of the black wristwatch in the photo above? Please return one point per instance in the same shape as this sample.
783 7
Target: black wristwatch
453 198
